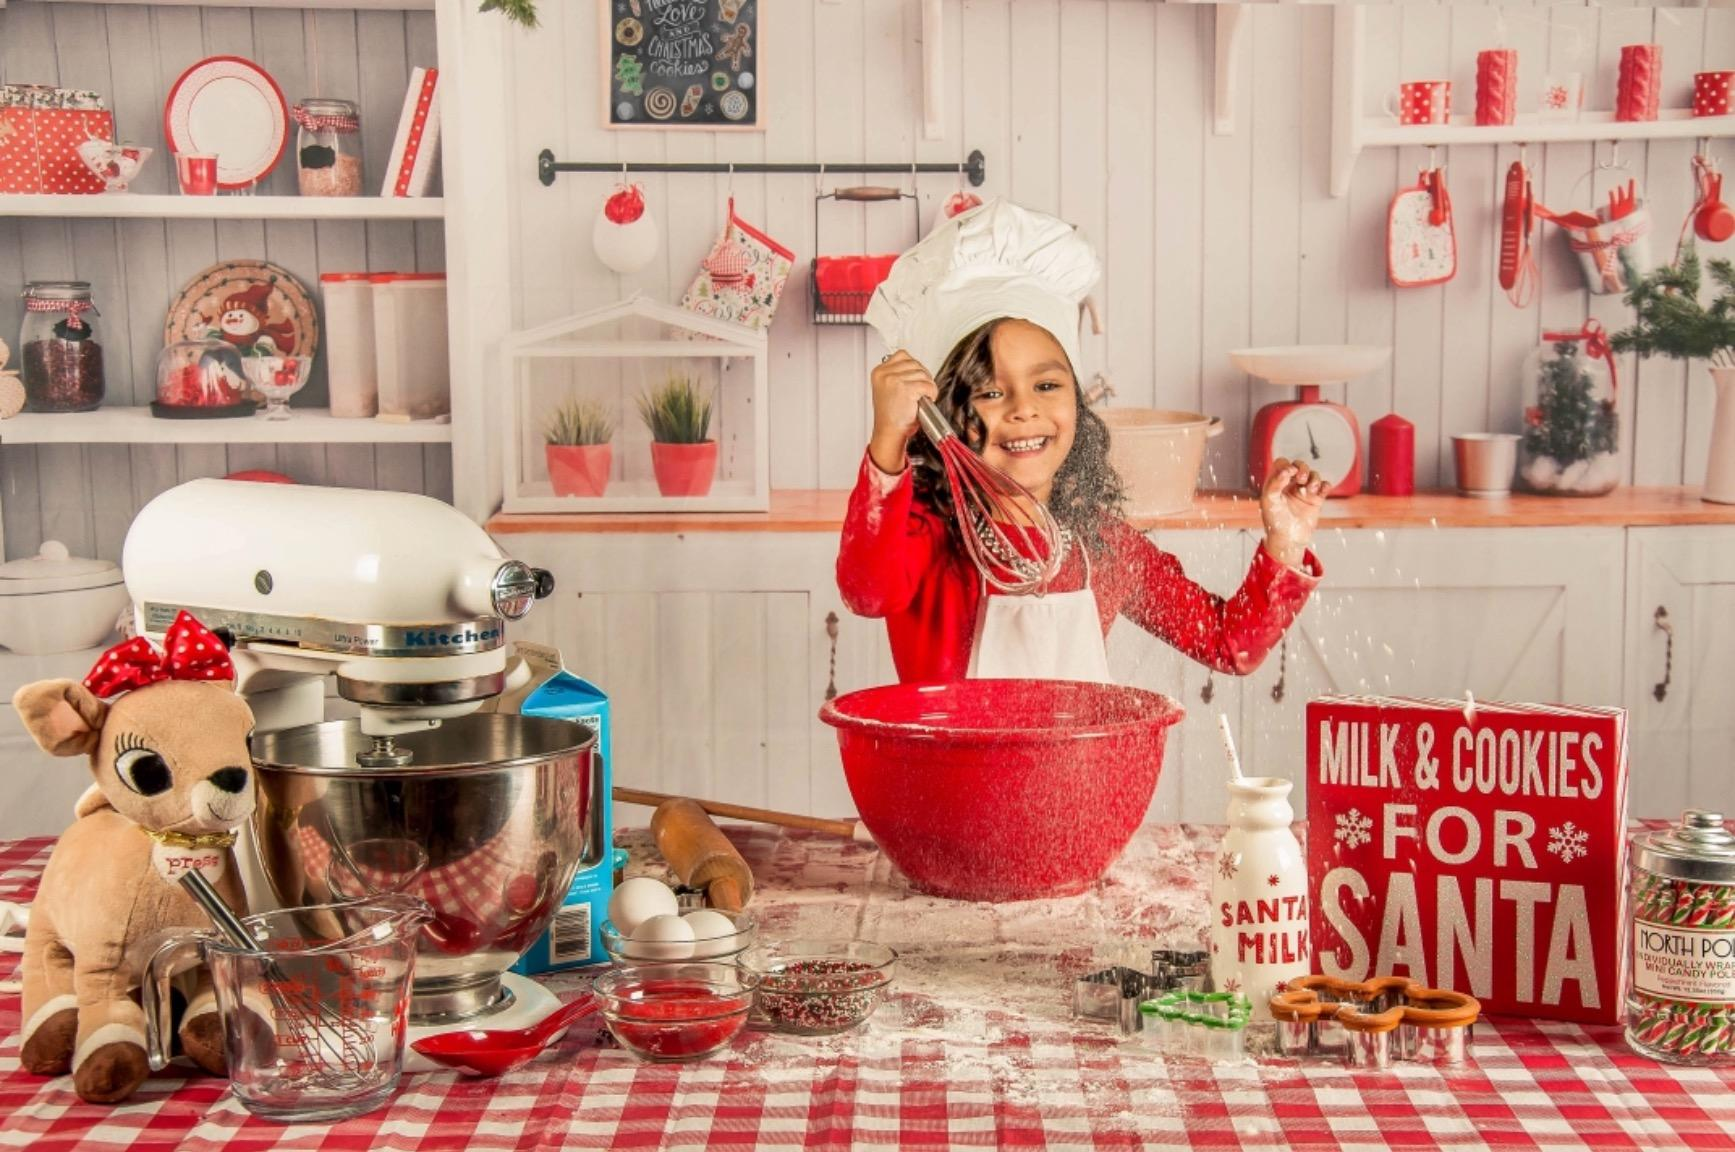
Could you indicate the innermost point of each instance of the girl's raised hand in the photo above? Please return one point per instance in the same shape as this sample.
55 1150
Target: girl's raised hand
898 383
1290 505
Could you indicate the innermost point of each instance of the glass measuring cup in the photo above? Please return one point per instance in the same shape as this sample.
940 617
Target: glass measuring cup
313 1014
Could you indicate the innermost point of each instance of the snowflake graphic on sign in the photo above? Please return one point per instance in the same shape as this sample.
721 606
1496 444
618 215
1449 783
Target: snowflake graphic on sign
1353 829
1227 865
1568 842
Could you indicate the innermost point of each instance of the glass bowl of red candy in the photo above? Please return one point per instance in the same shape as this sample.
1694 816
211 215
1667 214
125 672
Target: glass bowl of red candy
670 1013
200 380
818 987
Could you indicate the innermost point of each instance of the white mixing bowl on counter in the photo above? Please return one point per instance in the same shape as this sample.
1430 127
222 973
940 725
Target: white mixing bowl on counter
57 602
1158 453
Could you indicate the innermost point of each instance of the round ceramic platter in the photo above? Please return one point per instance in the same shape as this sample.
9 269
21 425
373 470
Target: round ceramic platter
198 312
231 108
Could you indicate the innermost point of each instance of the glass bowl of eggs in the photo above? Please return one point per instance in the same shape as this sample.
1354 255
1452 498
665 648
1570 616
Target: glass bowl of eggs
646 925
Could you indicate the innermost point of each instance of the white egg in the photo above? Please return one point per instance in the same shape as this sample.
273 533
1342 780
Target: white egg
639 899
662 938
713 931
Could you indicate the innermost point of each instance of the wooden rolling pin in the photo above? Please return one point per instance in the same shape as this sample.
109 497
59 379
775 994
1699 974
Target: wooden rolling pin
846 829
701 855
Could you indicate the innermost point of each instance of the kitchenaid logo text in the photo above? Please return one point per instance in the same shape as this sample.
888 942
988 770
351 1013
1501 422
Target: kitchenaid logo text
428 638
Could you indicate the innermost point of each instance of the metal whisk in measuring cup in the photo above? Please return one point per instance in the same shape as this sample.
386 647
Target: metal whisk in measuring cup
1011 536
314 1001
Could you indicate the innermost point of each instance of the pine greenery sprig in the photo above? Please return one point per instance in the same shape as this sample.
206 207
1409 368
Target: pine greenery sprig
580 422
518 11
1672 322
677 412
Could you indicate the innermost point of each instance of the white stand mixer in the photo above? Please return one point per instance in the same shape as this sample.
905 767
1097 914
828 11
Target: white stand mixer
398 596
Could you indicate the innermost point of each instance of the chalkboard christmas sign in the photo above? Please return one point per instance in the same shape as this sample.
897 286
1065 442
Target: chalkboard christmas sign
682 64
1479 848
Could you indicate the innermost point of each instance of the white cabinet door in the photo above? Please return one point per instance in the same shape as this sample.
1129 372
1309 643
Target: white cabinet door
1680 669
1189 787
714 651
1509 614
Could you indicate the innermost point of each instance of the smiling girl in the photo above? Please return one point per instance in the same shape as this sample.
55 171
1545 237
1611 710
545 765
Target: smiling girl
993 297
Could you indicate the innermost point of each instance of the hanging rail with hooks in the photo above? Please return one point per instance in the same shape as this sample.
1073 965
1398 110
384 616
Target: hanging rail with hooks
974 168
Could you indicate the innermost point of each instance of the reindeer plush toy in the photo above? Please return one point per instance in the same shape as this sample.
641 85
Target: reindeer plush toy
167 741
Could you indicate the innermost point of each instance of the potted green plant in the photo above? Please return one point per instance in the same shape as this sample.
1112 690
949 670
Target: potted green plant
578 450
1671 320
683 456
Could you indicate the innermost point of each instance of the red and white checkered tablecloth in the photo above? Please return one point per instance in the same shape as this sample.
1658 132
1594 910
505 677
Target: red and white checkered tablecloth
976 1049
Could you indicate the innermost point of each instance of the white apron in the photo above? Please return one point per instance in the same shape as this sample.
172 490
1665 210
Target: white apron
1055 636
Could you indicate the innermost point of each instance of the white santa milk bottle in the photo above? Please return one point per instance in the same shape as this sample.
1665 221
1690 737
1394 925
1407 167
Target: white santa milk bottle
1259 925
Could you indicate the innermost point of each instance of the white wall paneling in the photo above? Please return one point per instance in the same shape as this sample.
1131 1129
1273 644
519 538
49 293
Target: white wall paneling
131 54
1106 115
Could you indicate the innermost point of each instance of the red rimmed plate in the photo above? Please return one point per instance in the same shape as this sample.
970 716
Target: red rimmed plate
231 108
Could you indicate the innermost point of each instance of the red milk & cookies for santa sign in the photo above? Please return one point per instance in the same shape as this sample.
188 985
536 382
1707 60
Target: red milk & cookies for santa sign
1474 846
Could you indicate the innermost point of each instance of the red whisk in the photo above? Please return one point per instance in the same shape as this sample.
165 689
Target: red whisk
1011 536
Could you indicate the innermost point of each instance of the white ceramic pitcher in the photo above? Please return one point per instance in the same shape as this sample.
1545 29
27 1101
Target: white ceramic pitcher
1259 914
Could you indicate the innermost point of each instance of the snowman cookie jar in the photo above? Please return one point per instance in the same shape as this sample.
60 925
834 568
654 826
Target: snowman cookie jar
1259 925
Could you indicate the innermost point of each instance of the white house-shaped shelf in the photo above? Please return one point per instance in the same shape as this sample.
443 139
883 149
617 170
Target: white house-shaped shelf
614 356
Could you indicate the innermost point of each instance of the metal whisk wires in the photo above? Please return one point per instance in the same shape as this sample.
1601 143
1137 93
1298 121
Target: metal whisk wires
1012 538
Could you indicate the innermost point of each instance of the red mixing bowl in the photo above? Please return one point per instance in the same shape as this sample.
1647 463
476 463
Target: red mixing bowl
1002 789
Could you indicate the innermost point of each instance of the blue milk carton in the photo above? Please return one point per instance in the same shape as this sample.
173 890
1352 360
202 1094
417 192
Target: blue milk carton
574 939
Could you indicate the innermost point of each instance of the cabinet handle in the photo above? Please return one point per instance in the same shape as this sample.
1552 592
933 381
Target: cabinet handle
1661 619
831 631
1210 688
1282 671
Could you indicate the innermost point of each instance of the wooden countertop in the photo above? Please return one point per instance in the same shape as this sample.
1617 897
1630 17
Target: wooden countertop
821 510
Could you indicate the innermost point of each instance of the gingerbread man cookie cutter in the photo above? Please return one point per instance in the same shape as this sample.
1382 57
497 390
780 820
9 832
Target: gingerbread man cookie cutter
1370 1024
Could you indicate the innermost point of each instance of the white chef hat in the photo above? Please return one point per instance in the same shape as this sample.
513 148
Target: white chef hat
994 262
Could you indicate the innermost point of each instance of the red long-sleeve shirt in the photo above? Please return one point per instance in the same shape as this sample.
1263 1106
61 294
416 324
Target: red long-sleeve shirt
896 560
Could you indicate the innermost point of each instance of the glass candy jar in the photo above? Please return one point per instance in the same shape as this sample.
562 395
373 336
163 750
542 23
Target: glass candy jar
200 380
61 354
1680 991
1571 441
328 147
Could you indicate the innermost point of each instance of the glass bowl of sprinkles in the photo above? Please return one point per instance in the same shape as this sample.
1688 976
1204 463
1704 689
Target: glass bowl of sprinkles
671 1013
819 987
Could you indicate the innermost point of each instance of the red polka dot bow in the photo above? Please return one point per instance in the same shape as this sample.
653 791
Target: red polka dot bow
191 651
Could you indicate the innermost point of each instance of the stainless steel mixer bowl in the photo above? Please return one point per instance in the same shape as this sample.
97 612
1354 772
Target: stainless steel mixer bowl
487 822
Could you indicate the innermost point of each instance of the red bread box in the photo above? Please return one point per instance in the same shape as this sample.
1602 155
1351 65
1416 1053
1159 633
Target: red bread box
40 131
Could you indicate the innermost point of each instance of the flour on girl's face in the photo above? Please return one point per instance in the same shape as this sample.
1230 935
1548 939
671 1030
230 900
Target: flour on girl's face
1029 410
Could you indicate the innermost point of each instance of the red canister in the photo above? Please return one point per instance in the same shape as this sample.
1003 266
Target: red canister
1496 86
1392 470
1639 92
1711 93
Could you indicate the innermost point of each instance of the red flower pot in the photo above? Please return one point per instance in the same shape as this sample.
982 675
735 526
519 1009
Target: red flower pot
684 469
578 469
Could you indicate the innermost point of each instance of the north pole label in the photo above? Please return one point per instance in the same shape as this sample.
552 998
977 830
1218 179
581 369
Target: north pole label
1478 849
1684 963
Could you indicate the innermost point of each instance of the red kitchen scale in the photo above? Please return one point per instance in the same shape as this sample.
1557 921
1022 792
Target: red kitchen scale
1323 434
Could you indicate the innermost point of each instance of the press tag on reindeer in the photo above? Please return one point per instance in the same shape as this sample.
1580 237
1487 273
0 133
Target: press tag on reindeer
173 862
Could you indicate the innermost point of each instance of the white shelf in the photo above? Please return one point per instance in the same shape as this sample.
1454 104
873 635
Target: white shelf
1378 132
369 5
119 425
129 205
1352 130
636 496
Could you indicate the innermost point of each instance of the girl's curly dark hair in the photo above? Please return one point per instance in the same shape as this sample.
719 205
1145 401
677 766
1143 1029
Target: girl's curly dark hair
1087 489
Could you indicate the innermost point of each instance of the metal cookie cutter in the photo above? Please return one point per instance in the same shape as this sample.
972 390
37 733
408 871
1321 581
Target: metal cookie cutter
1115 994
1212 1025
1368 1025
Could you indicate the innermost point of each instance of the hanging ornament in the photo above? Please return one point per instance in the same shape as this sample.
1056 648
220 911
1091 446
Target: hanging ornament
960 202
625 235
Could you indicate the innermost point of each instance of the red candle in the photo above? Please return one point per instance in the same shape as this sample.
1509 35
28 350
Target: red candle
1639 88
1496 86
1393 452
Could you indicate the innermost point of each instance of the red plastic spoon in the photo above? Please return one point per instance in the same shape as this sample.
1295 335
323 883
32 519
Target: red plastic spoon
495 1052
